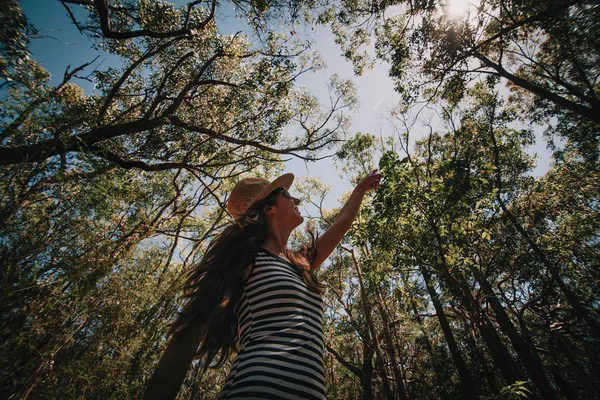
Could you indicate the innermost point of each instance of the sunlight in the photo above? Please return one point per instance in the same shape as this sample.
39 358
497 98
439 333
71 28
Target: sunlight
457 8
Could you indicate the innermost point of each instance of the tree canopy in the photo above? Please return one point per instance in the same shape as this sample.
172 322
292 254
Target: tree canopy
547 53
465 275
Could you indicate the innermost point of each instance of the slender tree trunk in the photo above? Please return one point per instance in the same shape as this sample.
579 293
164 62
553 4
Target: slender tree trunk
500 354
558 353
526 352
332 374
390 346
468 384
537 250
366 373
196 373
438 377
375 339
498 350
569 294
472 340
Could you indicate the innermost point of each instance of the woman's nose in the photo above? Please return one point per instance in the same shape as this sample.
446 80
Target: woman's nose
296 200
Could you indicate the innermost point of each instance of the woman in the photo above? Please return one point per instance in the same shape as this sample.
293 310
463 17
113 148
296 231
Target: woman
252 294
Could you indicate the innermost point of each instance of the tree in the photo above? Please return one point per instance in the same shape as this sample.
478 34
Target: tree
15 34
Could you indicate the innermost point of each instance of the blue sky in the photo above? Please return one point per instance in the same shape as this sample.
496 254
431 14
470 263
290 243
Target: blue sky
61 44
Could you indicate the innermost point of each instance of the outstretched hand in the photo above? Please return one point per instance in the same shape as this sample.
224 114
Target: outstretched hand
371 181
332 236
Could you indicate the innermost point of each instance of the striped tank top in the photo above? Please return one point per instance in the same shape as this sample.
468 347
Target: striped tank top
280 336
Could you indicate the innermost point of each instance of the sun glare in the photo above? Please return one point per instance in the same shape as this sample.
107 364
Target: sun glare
457 8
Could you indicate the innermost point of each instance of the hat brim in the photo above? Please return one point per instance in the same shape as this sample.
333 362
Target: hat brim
284 180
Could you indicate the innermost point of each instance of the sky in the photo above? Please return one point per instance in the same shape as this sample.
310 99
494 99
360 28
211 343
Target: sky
60 44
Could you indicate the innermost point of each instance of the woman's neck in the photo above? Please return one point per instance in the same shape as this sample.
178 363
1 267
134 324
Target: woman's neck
276 244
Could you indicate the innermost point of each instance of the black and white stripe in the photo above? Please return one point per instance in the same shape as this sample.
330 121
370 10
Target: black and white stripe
280 334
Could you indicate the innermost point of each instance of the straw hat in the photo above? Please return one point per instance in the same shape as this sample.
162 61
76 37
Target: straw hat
249 191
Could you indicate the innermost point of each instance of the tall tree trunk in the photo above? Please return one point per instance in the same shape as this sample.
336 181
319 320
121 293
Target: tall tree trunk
526 352
438 377
468 384
390 346
500 354
332 366
364 373
375 338
490 376
558 353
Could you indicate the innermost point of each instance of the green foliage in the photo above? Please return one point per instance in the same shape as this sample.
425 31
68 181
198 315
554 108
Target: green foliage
16 68
517 390
463 275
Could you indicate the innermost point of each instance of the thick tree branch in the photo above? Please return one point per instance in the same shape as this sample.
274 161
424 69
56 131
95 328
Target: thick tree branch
592 113
253 143
84 142
129 164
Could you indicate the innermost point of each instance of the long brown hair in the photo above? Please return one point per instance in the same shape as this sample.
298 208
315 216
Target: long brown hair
214 286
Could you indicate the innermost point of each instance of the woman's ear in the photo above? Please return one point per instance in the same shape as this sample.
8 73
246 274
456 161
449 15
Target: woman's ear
269 209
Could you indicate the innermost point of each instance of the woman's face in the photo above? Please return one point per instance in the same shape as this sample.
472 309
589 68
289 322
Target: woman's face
286 208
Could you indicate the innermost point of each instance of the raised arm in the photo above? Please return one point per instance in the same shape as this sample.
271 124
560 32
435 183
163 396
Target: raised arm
332 236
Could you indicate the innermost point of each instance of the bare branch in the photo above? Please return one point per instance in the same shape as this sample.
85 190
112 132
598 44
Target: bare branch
127 73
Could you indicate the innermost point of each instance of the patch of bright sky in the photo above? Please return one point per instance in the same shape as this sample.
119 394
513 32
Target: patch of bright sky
375 92
458 8
61 44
